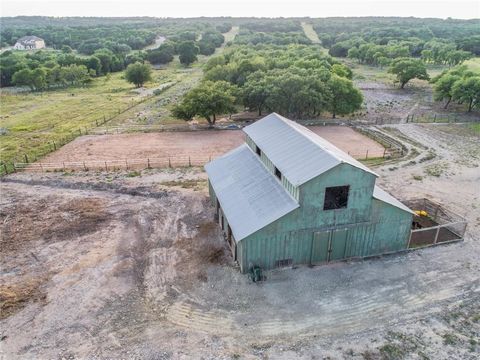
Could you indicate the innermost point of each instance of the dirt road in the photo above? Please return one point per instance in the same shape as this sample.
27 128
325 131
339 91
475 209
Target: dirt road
109 266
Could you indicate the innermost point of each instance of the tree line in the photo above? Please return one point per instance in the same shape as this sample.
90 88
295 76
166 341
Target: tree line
187 45
458 84
377 41
49 69
296 80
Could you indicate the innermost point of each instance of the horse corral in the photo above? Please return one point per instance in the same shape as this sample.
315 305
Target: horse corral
179 148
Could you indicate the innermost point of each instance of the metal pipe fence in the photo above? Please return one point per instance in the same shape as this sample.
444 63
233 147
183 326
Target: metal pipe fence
118 164
438 226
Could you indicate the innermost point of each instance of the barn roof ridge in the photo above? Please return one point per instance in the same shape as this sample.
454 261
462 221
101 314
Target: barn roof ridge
299 153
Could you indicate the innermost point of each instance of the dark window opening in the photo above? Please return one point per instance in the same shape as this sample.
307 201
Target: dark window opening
283 263
258 151
278 174
336 197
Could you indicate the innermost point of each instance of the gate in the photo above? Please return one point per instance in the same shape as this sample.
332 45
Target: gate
328 246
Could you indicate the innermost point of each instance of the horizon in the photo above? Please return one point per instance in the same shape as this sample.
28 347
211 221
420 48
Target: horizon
185 9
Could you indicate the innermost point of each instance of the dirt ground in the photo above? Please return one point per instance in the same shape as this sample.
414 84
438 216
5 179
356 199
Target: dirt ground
180 144
110 265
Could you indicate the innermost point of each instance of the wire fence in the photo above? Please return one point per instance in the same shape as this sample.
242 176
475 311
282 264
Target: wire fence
66 137
117 164
441 118
148 162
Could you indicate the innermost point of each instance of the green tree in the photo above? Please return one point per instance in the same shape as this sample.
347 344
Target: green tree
256 91
407 69
76 74
209 99
188 52
467 90
138 74
35 79
442 89
342 70
345 98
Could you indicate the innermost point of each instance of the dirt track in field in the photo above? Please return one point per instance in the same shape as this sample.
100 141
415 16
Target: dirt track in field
180 144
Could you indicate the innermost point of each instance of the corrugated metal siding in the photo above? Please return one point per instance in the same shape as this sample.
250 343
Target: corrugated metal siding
382 195
250 196
293 190
250 143
373 227
296 151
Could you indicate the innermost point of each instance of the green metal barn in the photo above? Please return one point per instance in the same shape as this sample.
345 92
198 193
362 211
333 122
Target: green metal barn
287 197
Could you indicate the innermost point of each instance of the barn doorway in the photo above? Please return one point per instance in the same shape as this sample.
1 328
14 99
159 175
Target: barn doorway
328 246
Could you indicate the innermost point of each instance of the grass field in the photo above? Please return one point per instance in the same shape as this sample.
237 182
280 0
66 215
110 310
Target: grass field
33 124
474 64
30 121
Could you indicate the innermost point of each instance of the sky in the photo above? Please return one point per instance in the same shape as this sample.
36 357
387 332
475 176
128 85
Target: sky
461 9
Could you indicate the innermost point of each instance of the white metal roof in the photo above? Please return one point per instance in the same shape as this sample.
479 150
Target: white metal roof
382 195
296 151
249 195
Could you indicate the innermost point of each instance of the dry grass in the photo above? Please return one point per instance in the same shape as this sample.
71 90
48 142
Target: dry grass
14 297
195 184
25 222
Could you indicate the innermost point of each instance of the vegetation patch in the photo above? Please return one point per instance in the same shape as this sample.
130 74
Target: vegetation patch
194 184
436 169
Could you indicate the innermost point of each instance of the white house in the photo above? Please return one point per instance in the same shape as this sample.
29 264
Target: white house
29 43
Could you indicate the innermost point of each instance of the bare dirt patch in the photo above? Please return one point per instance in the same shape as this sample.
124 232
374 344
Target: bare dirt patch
28 220
209 143
156 280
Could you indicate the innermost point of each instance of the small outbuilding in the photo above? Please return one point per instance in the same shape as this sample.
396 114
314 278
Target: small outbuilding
29 43
287 197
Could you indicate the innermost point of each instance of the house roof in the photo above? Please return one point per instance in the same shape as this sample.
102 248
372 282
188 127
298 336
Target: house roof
296 151
29 38
249 195
382 195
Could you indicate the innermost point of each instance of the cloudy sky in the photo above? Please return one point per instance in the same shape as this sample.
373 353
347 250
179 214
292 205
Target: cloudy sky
461 9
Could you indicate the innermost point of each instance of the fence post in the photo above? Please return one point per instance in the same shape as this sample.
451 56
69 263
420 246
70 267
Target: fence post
189 162
436 235
366 155
63 165
41 167
54 145
126 164
169 162
26 158
5 167
434 118
84 167
106 168
148 163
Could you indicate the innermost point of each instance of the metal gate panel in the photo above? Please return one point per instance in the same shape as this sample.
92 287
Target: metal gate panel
338 244
320 247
